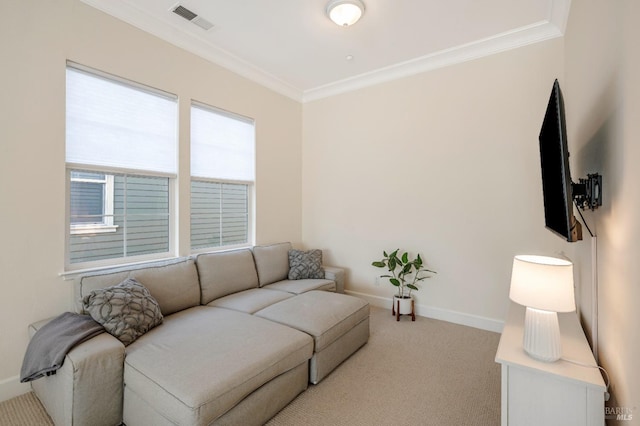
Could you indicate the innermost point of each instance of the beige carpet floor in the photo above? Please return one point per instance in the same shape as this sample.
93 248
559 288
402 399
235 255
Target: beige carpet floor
426 372
24 410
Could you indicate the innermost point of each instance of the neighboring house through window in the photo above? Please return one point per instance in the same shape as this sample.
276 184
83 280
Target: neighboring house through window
91 203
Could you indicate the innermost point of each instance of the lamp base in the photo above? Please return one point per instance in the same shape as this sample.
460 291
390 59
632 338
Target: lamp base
542 335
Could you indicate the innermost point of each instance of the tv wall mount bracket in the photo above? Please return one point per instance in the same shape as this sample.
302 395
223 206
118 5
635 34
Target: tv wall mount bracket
587 193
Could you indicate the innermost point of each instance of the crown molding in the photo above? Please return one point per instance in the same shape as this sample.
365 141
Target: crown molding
554 26
559 14
520 37
125 11
548 29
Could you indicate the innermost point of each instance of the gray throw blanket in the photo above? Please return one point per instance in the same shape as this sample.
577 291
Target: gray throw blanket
51 343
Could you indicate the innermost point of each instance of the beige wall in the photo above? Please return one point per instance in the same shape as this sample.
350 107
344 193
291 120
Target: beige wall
37 38
603 75
444 163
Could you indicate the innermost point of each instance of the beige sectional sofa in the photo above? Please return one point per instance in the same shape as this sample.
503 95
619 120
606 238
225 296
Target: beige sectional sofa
238 342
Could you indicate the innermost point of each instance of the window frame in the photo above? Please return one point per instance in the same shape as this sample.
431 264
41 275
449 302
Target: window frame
75 230
251 212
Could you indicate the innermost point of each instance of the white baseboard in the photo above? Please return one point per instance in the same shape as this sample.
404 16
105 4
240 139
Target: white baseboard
455 317
11 387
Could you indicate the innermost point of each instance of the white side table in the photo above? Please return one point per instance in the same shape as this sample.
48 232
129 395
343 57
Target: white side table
557 393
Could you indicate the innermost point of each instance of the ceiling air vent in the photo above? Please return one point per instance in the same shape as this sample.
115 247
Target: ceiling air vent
192 17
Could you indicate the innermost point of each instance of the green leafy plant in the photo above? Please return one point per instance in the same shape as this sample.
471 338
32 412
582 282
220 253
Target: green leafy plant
406 273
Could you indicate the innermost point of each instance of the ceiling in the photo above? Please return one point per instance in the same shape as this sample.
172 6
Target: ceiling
291 47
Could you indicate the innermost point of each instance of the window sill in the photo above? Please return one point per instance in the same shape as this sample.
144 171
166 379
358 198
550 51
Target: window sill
92 229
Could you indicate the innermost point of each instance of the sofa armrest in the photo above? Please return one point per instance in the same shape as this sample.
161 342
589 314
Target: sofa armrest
88 388
335 274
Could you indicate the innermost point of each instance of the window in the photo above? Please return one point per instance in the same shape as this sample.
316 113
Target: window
121 150
91 203
137 225
222 178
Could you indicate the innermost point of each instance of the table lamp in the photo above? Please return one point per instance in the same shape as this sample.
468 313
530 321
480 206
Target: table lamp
545 286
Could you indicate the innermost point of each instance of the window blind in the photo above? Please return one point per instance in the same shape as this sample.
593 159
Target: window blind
117 125
222 145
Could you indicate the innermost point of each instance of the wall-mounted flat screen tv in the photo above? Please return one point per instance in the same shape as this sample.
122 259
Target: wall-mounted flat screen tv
556 177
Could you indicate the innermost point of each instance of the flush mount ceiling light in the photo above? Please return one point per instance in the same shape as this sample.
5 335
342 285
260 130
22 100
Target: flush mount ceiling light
345 12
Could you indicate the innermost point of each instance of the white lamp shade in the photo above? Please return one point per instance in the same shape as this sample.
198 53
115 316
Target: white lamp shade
542 282
345 12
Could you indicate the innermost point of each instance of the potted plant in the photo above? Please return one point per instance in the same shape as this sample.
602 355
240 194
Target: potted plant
406 273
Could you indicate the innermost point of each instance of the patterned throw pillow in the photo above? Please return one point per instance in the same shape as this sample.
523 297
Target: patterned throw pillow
305 264
126 310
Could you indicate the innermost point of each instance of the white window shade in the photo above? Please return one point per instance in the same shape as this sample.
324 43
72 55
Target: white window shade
222 146
122 126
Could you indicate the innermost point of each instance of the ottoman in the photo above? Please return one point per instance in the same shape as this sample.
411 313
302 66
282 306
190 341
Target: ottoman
338 323
207 365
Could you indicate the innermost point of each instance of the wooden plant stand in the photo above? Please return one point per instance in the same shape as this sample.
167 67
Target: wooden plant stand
395 310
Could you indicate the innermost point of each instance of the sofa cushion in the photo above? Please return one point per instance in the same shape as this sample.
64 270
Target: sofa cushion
272 262
225 273
126 311
251 300
302 286
175 285
203 361
305 264
309 313
338 323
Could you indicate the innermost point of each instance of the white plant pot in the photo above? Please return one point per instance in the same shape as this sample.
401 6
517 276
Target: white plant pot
403 306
